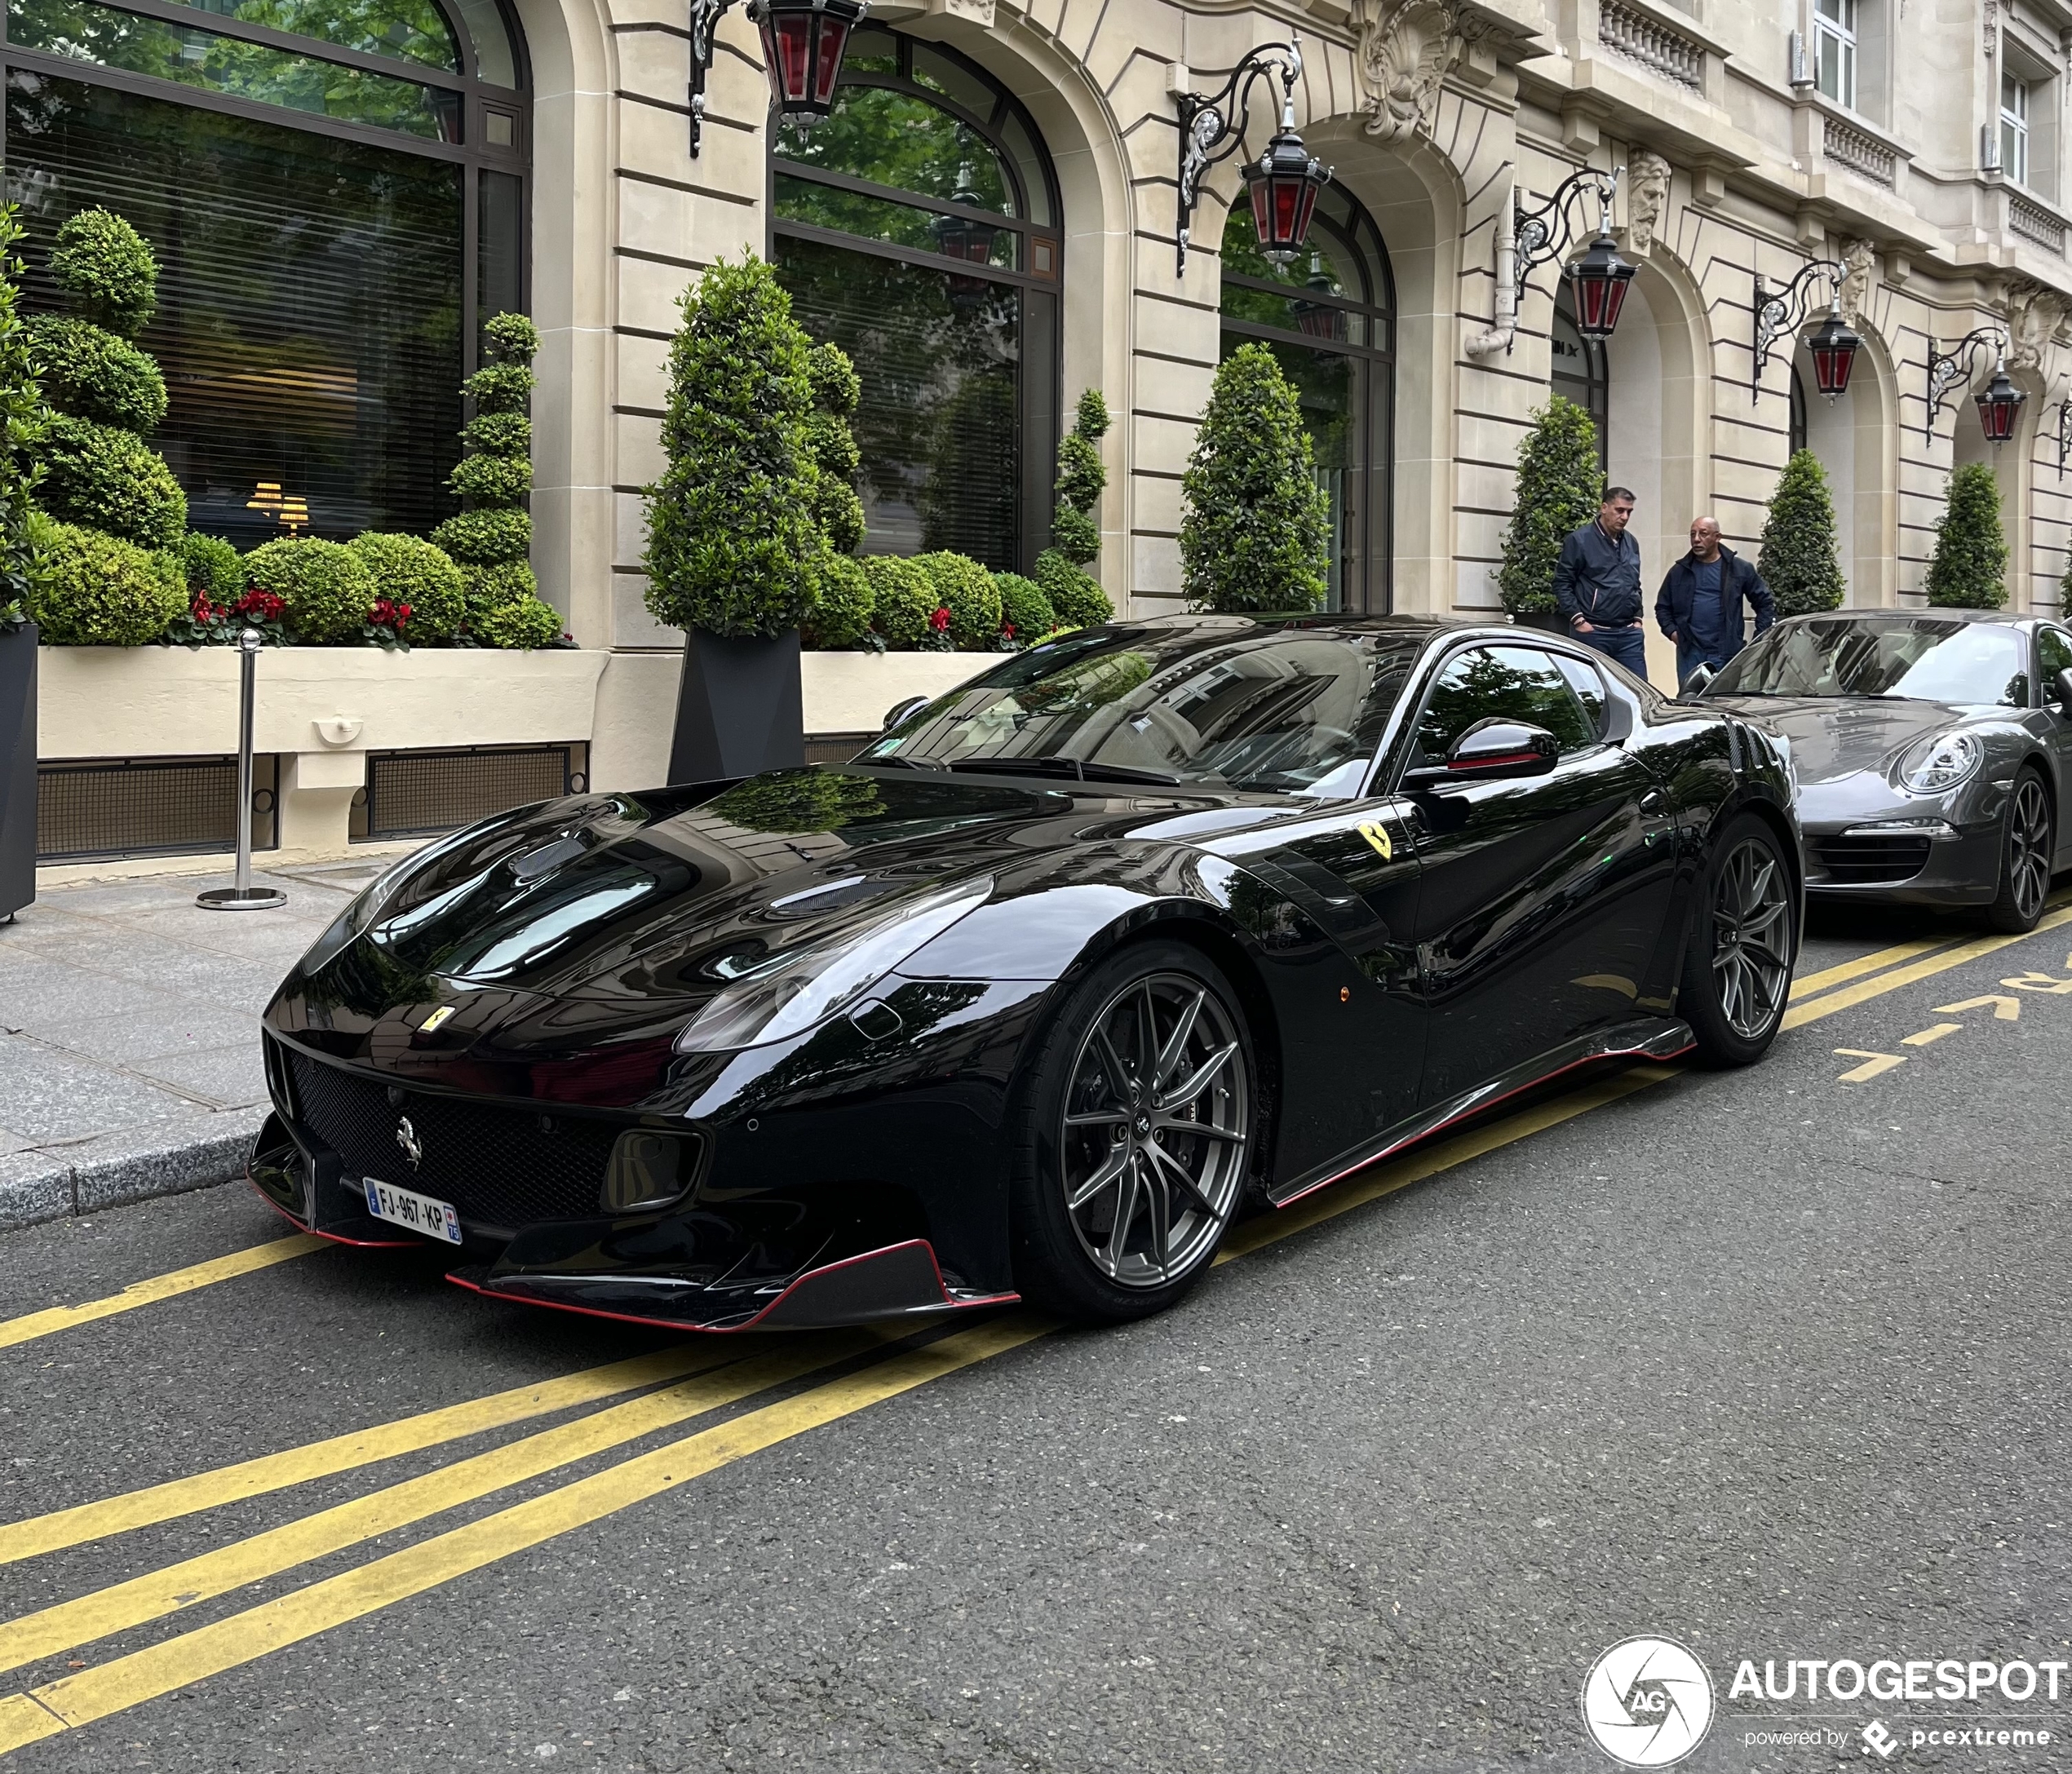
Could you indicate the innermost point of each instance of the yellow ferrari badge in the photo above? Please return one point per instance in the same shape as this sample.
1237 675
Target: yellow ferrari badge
1377 834
435 1019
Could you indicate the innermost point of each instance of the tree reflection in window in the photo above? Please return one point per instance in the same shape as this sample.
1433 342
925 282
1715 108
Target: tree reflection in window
1509 684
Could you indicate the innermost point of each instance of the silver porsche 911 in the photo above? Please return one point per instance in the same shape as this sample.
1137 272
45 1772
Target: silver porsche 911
1932 751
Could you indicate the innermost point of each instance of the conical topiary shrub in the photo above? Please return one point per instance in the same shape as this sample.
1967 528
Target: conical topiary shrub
492 539
1800 561
99 471
24 419
1968 569
1256 528
1560 488
1074 595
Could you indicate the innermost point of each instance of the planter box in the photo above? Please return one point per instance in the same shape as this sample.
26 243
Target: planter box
18 651
847 693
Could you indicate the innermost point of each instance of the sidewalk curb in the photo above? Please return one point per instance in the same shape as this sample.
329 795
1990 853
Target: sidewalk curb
100 1175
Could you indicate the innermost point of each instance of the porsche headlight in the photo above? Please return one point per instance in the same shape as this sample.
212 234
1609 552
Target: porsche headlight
799 988
1942 762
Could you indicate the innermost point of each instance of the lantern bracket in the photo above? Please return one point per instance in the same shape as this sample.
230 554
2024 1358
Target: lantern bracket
1546 233
704 16
1950 370
1207 135
1779 314
2064 435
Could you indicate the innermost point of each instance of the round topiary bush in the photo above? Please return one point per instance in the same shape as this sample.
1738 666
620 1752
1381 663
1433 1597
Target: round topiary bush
408 569
1026 612
107 267
109 479
89 371
213 566
324 587
967 590
830 446
98 590
1075 596
511 338
487 584
492 479
524 623
902 599
498 434
843 600
500 387
485 537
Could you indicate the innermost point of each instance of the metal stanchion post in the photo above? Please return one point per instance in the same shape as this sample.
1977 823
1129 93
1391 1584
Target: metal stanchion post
244 896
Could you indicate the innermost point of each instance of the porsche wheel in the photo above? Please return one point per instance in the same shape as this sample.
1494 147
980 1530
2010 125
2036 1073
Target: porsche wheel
1136 1132
1738 965
2026 842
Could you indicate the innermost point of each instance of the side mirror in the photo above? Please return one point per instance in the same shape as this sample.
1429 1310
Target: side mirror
1490 751
2061 689
901 710
1694 685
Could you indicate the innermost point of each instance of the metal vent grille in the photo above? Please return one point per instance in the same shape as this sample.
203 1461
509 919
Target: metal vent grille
835 748
96 808
414 793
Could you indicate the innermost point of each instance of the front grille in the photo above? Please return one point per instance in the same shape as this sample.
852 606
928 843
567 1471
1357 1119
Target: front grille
502 1168
1870 861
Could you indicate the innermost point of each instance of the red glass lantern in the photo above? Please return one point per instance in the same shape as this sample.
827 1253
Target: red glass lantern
1284 182
1834 349
964 238
1600 277
804 41
1999 401
1319 319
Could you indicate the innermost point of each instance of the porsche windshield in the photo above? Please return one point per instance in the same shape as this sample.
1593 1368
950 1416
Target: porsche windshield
1923 658
1296 711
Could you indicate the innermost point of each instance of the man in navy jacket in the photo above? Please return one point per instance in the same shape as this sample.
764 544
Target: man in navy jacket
1700 605
1597 584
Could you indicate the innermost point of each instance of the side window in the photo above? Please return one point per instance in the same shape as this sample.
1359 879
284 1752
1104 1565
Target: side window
2053 654
1589 690
1512 683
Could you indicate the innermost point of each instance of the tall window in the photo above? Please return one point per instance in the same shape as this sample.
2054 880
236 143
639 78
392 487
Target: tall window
1796 417
1834 46
1328 318
335 192
1579 372
926 159
2014 129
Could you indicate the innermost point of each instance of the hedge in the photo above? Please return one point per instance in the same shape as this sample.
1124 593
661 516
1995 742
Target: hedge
1026 615
325 587
903 597
212 566
95 590
1075 596
843 601
525 622
408 569
967 590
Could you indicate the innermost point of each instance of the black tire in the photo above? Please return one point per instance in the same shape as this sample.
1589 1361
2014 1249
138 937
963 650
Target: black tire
1744 936
2028 838
1070 1258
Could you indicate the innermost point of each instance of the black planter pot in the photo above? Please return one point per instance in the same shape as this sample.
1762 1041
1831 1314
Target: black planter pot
17 769
738 710
1548 621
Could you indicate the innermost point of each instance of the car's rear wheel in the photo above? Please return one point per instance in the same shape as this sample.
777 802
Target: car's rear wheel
1135 1136
1738 965
2027 835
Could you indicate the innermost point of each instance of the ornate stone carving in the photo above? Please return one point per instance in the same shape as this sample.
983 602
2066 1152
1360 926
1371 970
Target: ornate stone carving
1647 194
1405 48
1859 275
2035 315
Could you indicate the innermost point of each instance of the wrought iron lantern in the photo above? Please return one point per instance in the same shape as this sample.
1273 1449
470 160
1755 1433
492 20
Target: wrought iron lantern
1319 319
967 238
1834 348
1998 403
804 41
1780 315
1600 279
1283 182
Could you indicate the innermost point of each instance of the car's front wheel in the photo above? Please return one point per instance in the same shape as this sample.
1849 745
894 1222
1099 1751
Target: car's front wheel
1135 1132
2026 841
1738 965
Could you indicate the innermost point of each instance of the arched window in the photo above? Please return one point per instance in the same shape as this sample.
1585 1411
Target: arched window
1579 371
335 190
1328 319
1796 422
926 158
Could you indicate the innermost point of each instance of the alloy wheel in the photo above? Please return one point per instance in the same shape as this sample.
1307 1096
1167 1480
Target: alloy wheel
1751 931
2029 848
1156 1131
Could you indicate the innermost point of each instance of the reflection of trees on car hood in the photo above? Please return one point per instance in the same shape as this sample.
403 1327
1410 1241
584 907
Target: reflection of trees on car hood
798 800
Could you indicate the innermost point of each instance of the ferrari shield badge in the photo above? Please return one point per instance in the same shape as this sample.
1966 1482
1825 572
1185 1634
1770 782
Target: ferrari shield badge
1377 834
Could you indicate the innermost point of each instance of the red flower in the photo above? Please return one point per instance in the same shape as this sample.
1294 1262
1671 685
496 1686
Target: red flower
1008 630
268 606
940 621
402 613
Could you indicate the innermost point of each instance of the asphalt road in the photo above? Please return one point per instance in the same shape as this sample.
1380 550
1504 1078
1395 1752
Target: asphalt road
1773 1363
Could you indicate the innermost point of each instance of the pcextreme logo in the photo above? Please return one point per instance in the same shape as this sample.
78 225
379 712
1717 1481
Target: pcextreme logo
1647 1702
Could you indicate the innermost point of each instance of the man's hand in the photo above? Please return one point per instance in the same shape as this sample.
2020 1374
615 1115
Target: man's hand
1583 627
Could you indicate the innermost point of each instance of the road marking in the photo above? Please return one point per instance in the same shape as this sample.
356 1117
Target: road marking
1800 1014
78 1700
2033 981
167 1591
2005 1010
1863 964
1874 1064
341 1453
1929 1036
43 1324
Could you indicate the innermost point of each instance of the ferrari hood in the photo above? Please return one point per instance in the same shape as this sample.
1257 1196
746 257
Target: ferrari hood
1835 737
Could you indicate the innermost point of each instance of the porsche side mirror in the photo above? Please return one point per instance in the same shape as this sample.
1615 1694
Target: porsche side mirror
902 709
2061 689
1490 750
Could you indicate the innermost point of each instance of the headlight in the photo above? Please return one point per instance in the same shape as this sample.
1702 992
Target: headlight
791 992
1940 763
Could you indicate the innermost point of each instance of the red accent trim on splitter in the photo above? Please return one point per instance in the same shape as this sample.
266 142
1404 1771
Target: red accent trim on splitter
1483 1108
358 1243
949 1304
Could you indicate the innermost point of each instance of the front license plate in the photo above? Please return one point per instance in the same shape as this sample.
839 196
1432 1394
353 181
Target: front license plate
405 1207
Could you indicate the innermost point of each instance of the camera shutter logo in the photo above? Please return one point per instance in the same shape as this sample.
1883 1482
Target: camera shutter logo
1647 1702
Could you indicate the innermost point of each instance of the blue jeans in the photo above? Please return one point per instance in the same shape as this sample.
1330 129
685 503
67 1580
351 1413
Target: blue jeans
1628 646
1689 658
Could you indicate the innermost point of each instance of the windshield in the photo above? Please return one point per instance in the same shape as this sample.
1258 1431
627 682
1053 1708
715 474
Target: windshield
1922 658
1292 710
